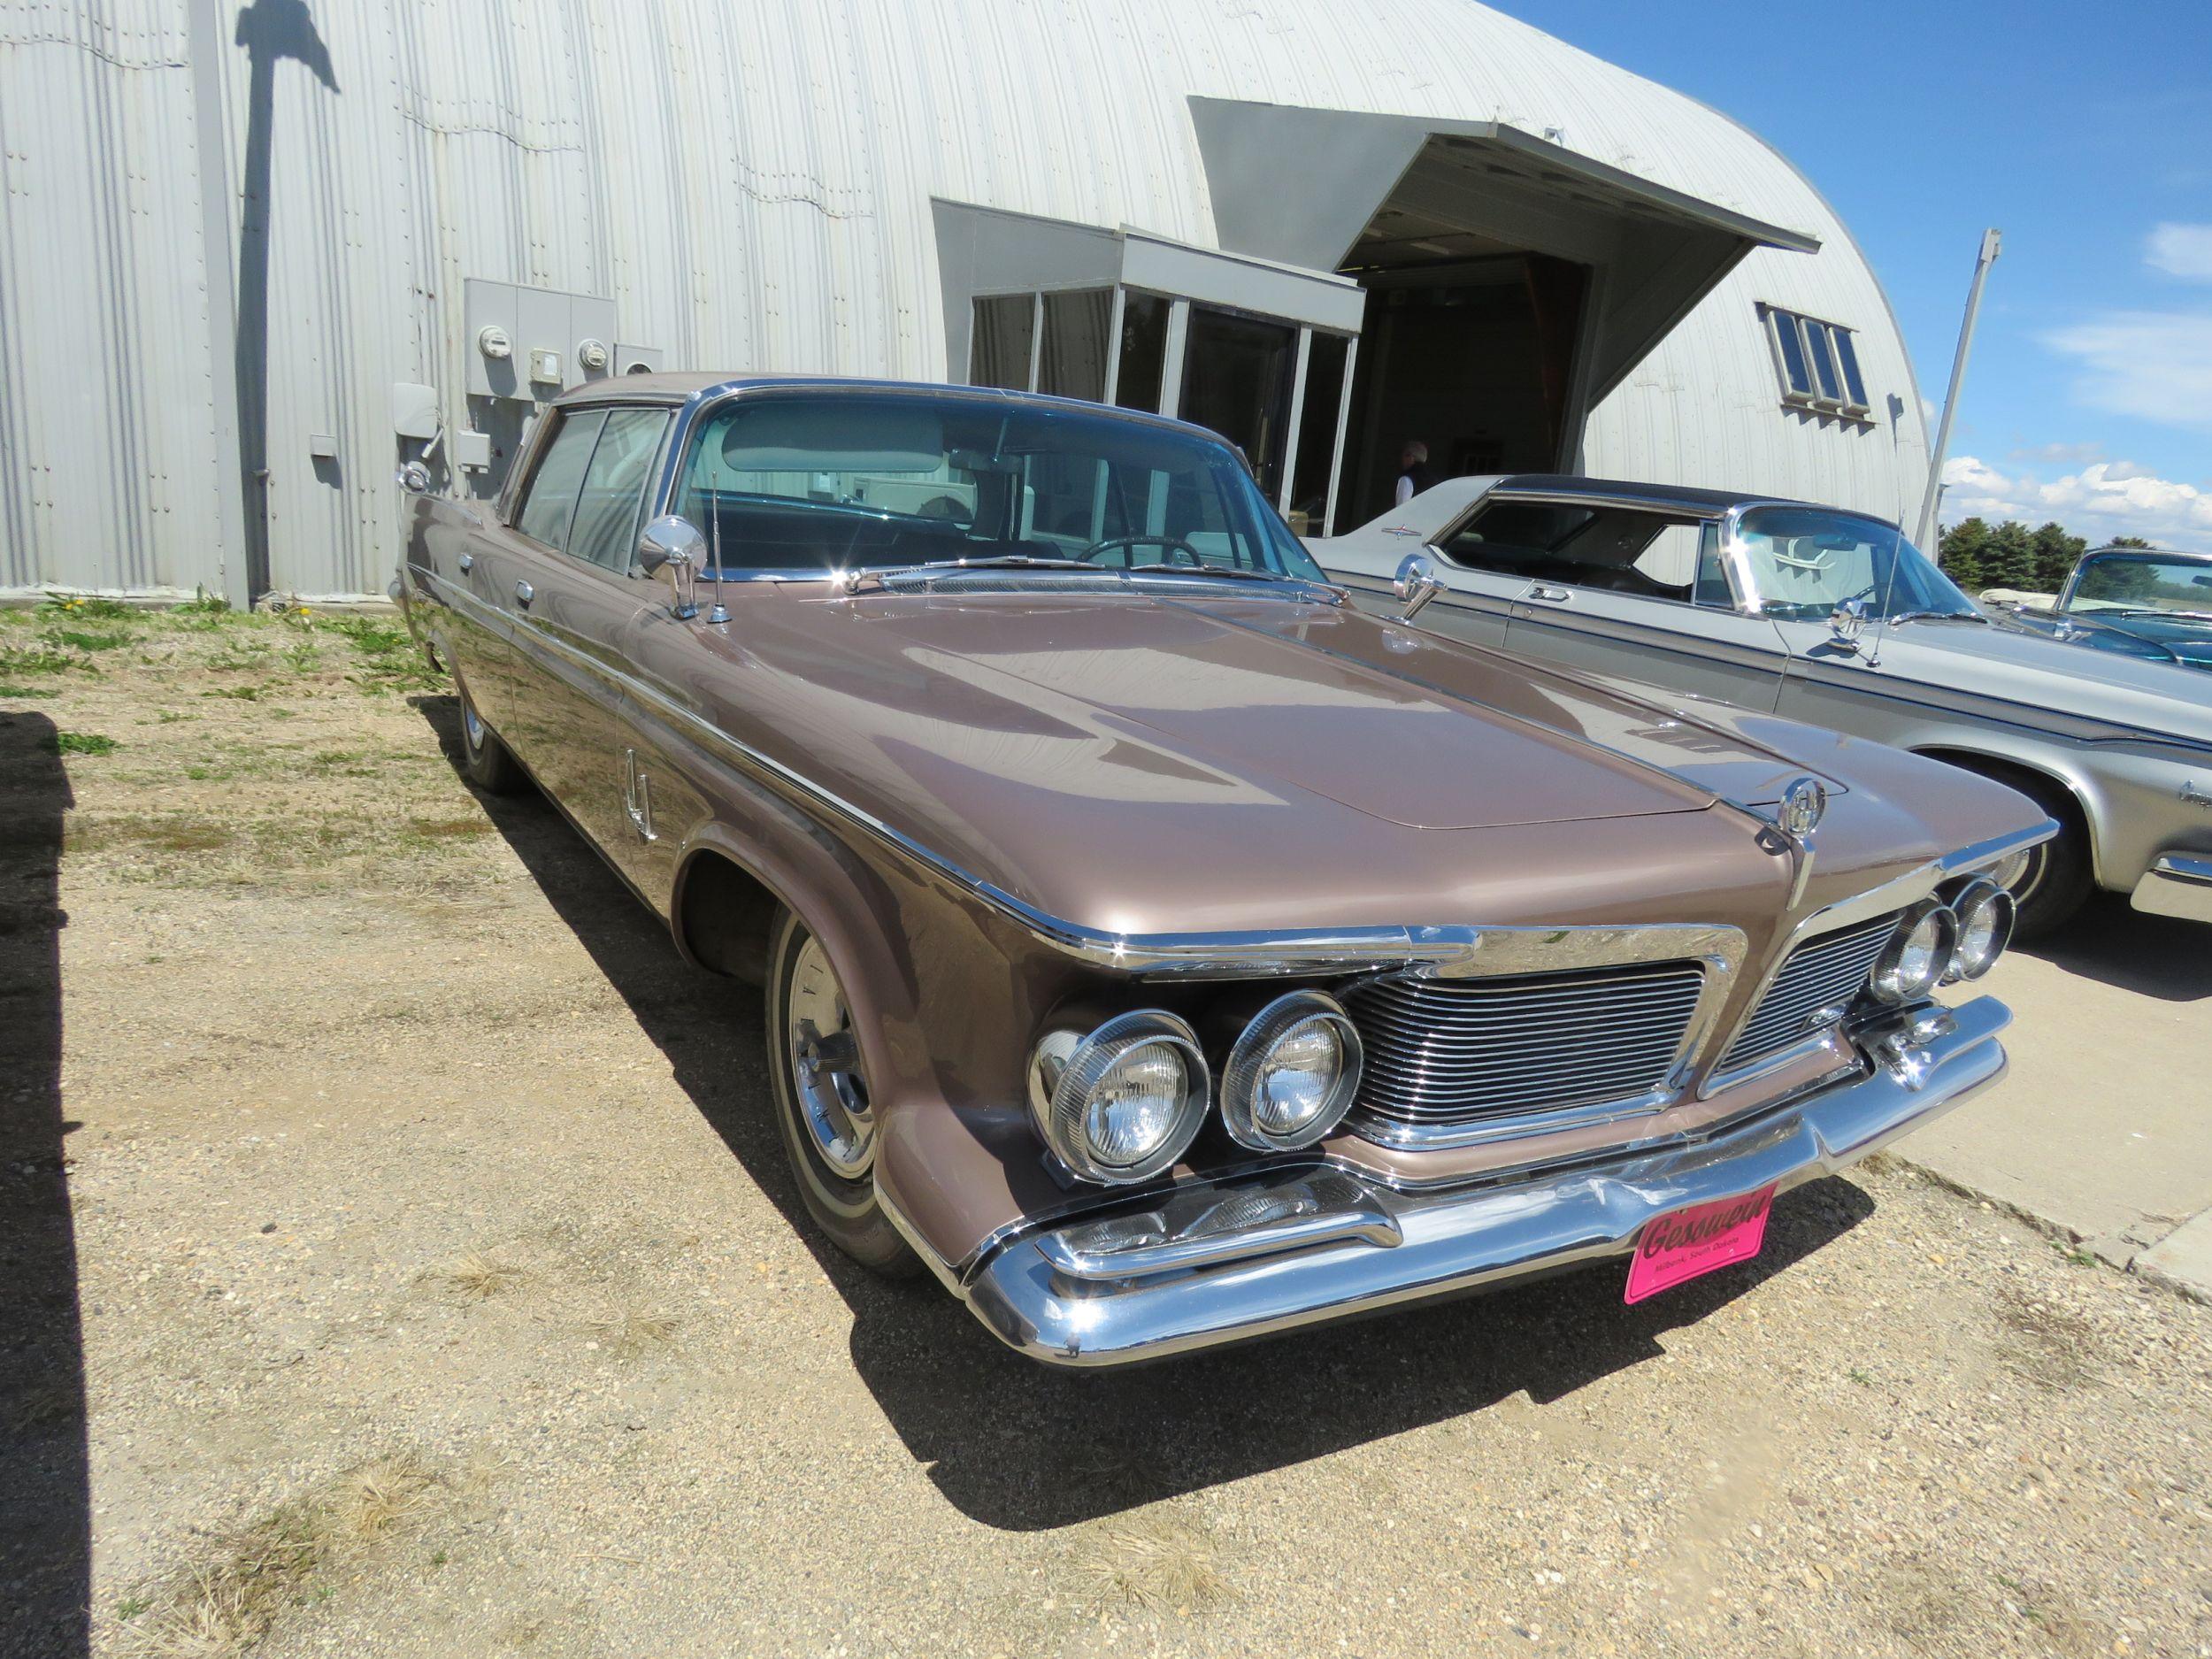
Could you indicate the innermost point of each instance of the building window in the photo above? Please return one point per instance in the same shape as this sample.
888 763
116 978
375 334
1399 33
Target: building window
1005 328
1818 362
1144 350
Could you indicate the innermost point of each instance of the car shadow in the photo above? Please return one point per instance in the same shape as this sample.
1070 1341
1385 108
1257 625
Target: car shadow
2112 942
1024 1446
45 1490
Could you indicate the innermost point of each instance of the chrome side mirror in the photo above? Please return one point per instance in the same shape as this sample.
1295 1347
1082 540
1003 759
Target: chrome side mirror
672 544
1415 584
1847 623
414 478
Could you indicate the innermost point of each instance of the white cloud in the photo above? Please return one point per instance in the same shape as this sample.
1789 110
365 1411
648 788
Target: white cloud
2182 250
2101 501
2156 365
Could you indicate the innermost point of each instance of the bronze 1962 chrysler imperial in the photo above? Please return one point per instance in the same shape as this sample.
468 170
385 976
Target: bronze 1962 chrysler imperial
1157 947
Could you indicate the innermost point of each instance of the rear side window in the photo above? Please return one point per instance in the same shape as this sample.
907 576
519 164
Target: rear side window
1618 550
613 498
548 503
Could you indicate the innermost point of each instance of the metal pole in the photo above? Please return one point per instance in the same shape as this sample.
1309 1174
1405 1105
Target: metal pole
1925 538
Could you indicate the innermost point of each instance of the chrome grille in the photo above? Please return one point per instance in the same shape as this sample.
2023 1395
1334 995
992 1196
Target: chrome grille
1821 973
1462 1051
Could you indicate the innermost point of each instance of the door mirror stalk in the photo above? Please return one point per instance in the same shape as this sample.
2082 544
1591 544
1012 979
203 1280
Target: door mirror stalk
672 546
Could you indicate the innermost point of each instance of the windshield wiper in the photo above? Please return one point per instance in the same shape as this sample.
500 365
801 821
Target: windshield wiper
1939 616
995 562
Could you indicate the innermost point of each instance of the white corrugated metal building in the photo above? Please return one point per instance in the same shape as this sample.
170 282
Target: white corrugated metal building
247 257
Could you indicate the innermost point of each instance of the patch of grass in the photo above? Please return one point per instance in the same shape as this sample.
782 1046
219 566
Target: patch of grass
448 829
1862 1379
16 691
34 660
243 694
161 835
1147 1560
78 638
83 743
204 604
130 1606
227 1603
89 607
169 716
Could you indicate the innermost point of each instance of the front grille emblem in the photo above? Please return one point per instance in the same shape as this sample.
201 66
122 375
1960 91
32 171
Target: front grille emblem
1804 803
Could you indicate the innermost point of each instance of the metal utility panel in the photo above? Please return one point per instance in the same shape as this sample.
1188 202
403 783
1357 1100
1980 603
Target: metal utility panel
549 337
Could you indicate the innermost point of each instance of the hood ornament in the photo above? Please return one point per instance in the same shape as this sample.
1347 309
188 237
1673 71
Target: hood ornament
1804 803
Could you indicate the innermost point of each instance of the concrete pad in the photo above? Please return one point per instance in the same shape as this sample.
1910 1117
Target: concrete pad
2104 1126
2185 1256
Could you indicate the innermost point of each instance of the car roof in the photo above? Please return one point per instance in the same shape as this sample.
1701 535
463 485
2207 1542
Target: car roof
684 387
2149 552
1681 497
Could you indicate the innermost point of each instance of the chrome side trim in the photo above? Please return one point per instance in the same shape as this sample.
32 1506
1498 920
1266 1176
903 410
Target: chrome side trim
1469 1237
2179 884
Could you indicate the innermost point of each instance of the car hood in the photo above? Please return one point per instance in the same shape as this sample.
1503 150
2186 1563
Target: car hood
1309 698
2068 685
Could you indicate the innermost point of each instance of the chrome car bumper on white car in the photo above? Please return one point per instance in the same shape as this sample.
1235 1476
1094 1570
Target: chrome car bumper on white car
1215 1262
2177 884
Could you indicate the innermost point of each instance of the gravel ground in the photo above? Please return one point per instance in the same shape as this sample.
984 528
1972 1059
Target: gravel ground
403 1262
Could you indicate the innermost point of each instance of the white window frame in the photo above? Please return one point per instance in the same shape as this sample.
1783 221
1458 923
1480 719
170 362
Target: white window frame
1813 338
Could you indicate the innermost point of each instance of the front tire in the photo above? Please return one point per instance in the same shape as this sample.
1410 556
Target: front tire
2057 878
824 1111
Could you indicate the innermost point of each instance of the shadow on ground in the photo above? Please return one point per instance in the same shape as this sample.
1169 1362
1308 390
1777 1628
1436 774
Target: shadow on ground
1018 1446
2116 944
45 1500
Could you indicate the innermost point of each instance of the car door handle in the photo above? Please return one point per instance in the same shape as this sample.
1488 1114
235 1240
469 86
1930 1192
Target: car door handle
1549 595
468 562
525 593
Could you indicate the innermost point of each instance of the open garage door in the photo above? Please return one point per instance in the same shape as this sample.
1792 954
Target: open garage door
1511 283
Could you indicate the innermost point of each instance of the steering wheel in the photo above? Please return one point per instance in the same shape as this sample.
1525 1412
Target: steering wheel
1169 545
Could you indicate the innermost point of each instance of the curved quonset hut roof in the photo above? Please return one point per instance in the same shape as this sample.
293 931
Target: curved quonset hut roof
752 185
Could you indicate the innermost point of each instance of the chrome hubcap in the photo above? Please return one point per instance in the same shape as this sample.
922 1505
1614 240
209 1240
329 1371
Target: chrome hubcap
826 1072
471 725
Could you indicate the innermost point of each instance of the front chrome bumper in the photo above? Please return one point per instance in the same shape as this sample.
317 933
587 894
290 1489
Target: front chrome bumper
1210 1263
2179 884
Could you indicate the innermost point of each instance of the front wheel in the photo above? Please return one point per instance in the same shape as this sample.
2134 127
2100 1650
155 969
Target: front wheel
823 1109
2052 881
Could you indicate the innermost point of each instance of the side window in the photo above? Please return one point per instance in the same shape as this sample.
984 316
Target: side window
1515 538
1712 575
548 502
613 499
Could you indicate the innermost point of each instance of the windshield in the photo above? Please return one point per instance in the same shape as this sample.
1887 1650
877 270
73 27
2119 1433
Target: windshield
2142 583
1806 561
856 481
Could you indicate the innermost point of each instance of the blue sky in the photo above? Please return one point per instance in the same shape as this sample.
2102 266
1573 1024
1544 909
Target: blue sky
2080 132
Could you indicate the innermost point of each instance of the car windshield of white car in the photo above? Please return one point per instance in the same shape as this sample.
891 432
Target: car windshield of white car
2142 584
800 482
1805 562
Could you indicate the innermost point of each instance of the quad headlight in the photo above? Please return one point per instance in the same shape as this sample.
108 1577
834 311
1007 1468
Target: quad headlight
1124 1102
1293 1074
1985 913
1918 955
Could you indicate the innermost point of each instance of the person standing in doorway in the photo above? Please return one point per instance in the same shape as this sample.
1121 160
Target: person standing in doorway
1413 471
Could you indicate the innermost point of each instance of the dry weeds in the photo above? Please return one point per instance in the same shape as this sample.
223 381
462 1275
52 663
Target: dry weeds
226 1603
1149 1559
480 1275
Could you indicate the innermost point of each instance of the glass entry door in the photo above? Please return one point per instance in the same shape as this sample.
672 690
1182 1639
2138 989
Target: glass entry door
1237 379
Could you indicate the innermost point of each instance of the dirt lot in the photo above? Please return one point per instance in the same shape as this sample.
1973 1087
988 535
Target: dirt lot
398 1260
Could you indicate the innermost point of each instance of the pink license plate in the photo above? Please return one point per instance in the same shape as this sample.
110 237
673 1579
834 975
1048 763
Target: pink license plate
1703 1238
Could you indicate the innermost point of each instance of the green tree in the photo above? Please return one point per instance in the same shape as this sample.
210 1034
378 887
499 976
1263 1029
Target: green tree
2128 541
1960 550
2056 552
2008 558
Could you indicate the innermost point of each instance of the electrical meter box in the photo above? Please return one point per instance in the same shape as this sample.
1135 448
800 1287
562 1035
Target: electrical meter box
529 343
